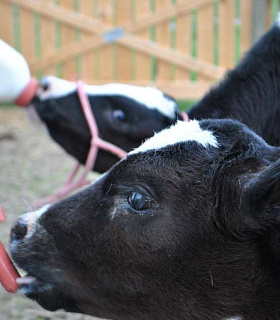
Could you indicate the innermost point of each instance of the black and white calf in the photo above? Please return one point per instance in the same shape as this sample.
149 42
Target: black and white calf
126 115
249 93
185 227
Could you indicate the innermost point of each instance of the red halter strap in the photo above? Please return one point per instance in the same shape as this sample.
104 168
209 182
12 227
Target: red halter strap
74 182
96 143
8 272
28 93
185 116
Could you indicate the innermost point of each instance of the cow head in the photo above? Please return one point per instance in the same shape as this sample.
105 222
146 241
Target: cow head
126 115
185 227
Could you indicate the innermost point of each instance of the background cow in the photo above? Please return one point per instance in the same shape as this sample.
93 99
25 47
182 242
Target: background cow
125 115
185 227
249 93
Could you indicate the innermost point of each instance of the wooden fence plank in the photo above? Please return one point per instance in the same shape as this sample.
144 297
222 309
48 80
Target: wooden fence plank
48 37
55 12
246 9
226 33
163 38
177 89
67 37
268 19
166 13
143 46
129 57
186 90
259 10
130 40
27 38
93 25
106 52
142 60
6 23
205 45
183 41
124 54
88 59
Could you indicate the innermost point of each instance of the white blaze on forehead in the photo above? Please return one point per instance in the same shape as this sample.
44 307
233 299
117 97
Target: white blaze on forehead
180 132
152 98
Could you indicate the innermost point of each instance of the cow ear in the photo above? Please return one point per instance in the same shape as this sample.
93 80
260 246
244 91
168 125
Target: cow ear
262 193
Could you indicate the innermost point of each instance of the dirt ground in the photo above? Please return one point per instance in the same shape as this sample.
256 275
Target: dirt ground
31 167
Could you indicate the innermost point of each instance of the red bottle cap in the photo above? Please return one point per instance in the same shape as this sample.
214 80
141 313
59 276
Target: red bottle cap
28 93
8 272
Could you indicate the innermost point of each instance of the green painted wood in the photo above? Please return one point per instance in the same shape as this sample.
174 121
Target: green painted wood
193 74
237 32
16 27
152 31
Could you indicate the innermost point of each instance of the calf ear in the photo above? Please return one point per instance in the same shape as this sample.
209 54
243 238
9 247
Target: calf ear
262 193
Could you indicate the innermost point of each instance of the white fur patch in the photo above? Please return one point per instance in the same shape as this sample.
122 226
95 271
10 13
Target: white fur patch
31 219
277 22
180 132
152 98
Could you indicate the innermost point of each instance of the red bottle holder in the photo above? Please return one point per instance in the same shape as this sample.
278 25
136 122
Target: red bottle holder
28 93
8 272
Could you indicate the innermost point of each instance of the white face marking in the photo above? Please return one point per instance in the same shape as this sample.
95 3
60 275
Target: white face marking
14 73
152 98
31 219
180 132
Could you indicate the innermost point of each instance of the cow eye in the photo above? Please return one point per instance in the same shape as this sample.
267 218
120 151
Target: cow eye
139 202
119 115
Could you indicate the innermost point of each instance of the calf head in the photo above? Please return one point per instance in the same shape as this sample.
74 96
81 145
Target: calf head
185 227
126 115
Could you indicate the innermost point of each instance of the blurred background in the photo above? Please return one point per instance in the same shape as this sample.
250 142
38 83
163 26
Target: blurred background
179 46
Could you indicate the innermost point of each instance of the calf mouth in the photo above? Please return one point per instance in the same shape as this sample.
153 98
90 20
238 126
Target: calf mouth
39 290
44 281
38 284
44 286
30 285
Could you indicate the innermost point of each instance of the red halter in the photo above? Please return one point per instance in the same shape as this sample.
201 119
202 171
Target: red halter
185 116
8 272
74 182
96 143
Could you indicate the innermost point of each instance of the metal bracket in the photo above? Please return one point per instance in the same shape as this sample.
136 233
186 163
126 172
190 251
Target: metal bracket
113 35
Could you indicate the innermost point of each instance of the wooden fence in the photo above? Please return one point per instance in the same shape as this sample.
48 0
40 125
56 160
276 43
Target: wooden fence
180 46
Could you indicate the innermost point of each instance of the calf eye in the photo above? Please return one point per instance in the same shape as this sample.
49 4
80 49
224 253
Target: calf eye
45 83
139 202
119 115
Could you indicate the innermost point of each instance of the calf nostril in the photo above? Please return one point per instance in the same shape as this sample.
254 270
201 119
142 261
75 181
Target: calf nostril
45 83
19 230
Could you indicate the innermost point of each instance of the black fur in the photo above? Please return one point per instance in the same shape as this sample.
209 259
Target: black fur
67 125
250 93
204 250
